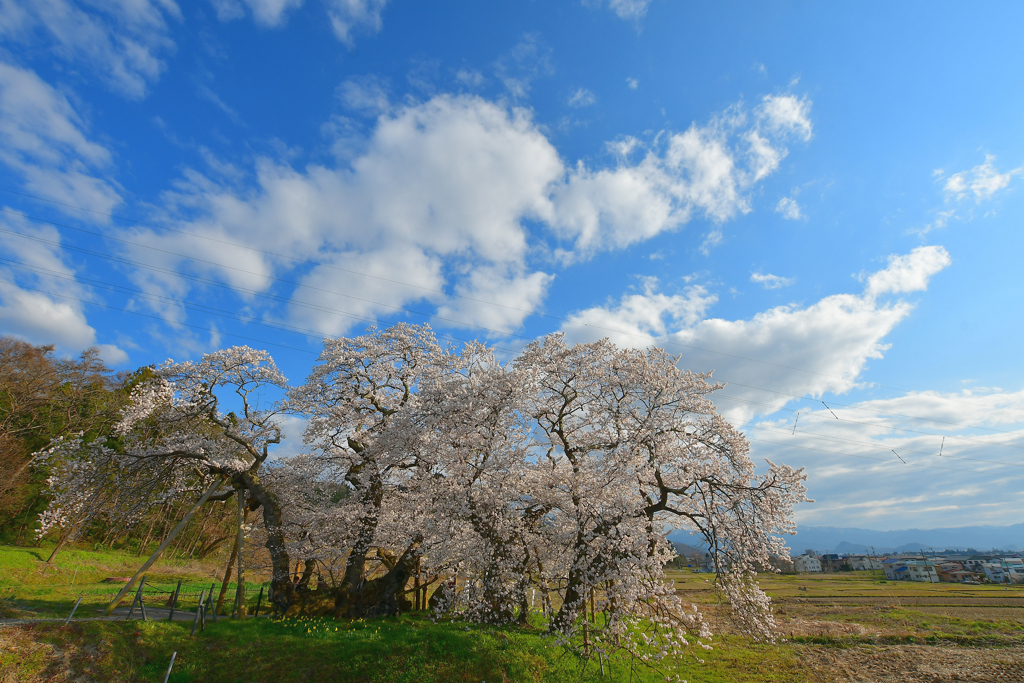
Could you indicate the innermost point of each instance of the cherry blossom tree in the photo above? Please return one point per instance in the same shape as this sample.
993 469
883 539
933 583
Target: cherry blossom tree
560 472
354 400
633 446
191 425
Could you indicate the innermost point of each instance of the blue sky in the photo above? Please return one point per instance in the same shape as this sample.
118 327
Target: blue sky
821 204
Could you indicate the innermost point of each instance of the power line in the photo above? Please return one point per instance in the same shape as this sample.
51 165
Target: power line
873 425
828 437
863 457
869 410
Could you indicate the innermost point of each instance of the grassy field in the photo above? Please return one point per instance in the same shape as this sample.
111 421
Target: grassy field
837 627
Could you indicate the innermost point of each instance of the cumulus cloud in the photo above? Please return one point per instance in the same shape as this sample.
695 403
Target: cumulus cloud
438 198
909 272
45 140
30 303
705 170
641 315
124 43
795 350
632 83
789 209
455 207
769 281
982 182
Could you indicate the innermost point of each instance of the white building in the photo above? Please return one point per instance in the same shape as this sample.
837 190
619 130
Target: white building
861 563
1007 570
910 570
806 563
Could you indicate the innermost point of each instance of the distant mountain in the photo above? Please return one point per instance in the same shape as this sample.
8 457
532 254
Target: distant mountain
828 539
687 550
846 540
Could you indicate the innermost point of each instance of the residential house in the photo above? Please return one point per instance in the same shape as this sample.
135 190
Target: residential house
1005 570
860 563
834 563
900 569
806 563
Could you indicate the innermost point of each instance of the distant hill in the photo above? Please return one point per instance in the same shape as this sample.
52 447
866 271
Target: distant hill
828 539
838 539
688 550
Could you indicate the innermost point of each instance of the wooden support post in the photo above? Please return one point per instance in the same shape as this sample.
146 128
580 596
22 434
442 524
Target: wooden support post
195 622
77 603
163 546
229 569
209 599
258 601
174 600
240 589
142 600
168 674
417 600
137 598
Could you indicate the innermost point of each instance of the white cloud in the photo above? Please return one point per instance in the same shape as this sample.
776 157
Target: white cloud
983 181
854 473
438 197
27 309
520 66
455 194
44 139
787 114
367 94
632 83
582 98
791 349
640 316
471 78
910 272
707 169
789 209
123 42
769 281
264 12
624 9
346 16
494 300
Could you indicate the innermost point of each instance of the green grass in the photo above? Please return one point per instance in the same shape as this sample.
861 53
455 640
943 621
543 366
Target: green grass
31 588
412 648
394 650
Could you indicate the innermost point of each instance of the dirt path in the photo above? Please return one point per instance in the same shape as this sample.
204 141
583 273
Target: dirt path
914 663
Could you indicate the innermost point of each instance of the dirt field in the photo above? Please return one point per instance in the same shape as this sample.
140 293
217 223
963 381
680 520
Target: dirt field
858 627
